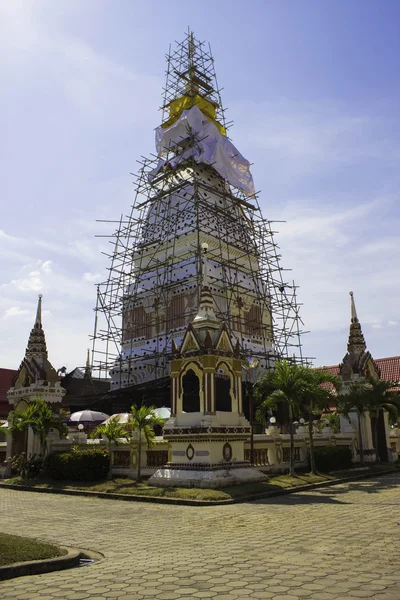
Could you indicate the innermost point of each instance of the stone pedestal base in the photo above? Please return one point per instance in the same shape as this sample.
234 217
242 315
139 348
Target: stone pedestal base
206 451
216 477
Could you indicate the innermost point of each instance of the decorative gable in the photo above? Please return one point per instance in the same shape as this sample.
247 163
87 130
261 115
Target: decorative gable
223 341
189 342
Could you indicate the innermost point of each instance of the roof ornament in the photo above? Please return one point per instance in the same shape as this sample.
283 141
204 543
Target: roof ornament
356 344
38 320
88 370
36 347
354 318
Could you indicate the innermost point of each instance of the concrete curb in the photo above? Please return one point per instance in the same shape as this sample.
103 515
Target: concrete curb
187 502
35 567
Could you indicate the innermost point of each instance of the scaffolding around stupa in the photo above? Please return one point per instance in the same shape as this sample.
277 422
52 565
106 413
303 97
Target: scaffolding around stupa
184 207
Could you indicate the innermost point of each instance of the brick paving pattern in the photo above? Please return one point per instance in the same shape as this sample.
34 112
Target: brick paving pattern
337 543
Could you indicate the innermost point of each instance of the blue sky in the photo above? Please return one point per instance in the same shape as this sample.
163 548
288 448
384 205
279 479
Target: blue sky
313 90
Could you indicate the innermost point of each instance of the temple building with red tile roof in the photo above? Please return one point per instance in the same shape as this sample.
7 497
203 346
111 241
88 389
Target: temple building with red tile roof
358 363
389 368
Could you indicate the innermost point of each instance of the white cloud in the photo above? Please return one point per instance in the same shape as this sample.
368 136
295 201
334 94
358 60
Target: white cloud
46 267
92 277
30 283
16 311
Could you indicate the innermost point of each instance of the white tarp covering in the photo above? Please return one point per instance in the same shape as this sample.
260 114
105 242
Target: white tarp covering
210 147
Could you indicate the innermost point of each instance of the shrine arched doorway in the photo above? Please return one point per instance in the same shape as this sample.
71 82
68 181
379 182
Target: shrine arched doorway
223 400
191 392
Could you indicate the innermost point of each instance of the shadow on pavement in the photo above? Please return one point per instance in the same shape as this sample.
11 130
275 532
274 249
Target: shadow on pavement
300 498
368 486
329 495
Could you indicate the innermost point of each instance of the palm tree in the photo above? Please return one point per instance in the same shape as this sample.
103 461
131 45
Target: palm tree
378 396
40 417
354 398
319 395
113 431
286 383
143 420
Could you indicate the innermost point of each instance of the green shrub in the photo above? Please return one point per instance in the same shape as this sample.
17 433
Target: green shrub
332 458
89 464
27 466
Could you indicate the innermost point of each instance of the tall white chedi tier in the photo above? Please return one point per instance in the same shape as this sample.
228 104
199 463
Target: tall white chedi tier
198 189
207 428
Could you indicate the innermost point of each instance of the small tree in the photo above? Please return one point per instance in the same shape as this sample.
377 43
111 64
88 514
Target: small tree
319 395
14 423
286 383
113 431
143 420
40 417
355 398
378 395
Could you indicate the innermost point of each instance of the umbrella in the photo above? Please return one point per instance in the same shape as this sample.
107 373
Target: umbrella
122 418
163 412
88 417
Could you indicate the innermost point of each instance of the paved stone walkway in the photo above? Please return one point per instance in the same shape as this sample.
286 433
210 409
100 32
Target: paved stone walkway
338 543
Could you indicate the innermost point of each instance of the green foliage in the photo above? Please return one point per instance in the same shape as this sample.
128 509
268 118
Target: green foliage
143 419
302 389
284 384
331 458
27 466
333 419
353 398
88 464
320 391
113 431
41 418
379 395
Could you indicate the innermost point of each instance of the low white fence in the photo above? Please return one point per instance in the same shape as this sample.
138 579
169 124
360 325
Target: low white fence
270 450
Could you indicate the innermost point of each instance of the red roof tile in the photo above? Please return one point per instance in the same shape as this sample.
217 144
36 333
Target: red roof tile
389 368
6 381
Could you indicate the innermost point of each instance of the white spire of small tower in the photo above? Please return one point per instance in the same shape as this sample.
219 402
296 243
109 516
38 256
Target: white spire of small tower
356 343
354 318
88 371
38 320
37 342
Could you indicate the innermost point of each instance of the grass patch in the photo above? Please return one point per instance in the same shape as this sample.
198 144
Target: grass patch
14 549
124 485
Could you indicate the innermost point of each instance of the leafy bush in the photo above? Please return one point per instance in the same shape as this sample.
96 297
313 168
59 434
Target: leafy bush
332 458
27 466
89 464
